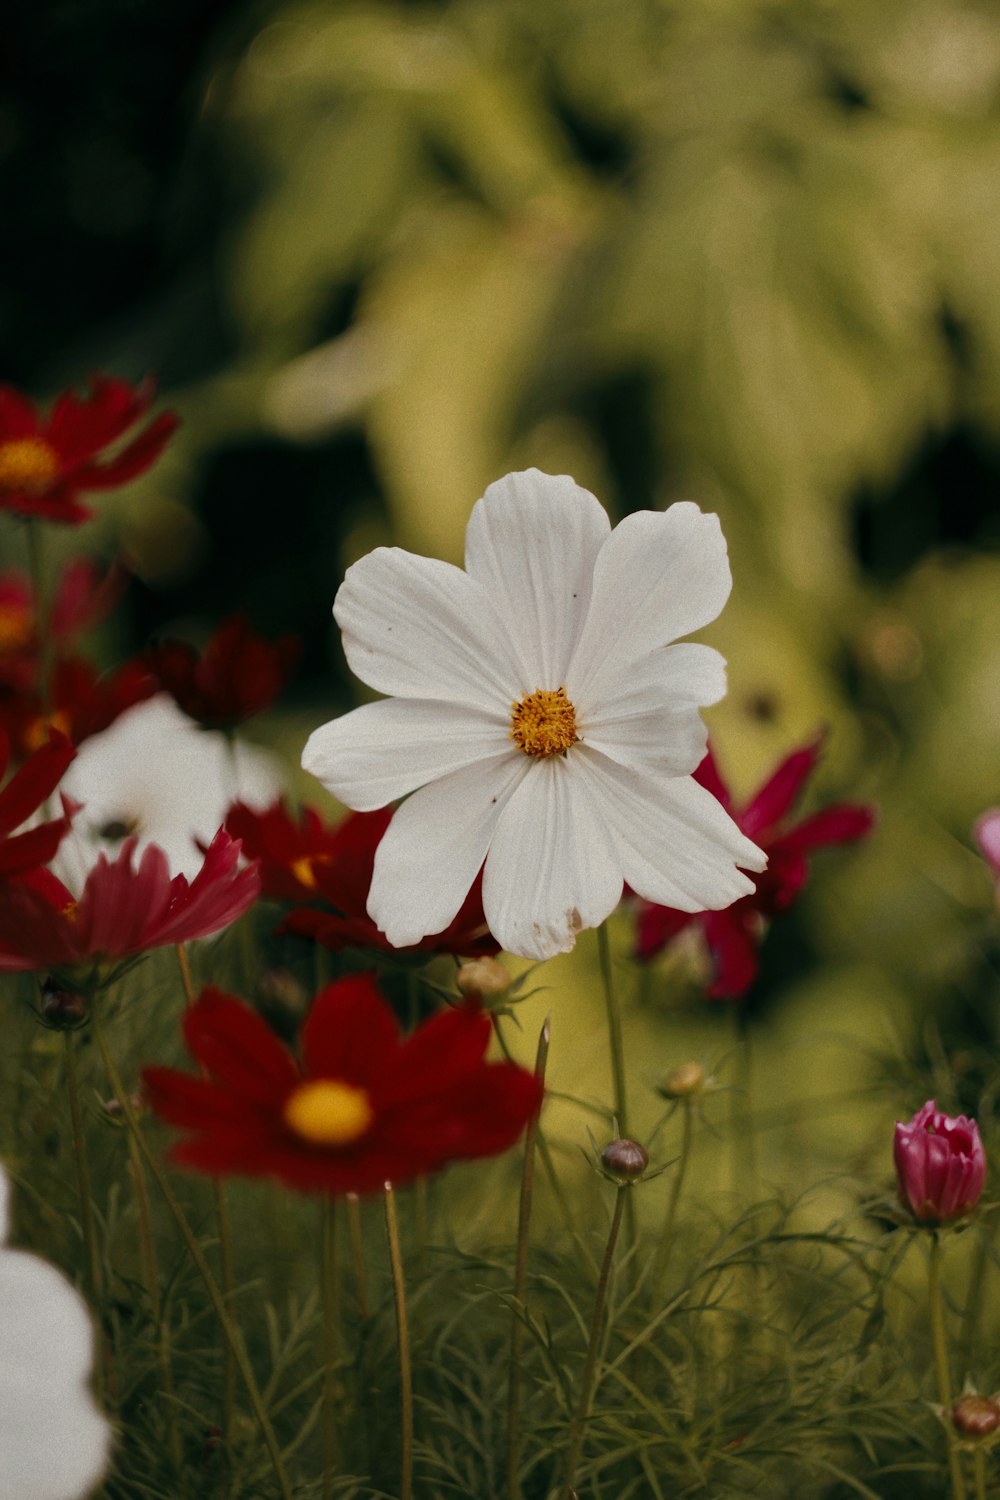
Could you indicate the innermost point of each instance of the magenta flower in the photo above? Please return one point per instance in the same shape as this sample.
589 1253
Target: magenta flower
940 1165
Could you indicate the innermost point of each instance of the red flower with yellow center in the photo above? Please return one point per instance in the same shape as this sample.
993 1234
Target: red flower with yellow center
46 464
238 674
80 702
364 1107
27 791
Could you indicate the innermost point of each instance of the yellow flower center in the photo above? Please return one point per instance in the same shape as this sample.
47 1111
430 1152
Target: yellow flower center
69 911
304 873
16 627
27 464
543 723
37 733
329 1113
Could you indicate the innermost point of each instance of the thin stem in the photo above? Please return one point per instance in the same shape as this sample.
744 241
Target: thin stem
229 1328
403 1340
979 1463
521 1283
330 1322
667 1232
420 1223
941 1361
742 1144
151 1276
84 1191
590 1366
184 964
970 1315
615 1044
357 1252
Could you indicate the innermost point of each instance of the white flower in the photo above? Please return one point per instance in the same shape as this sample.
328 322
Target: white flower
155 774
53 1441
549 727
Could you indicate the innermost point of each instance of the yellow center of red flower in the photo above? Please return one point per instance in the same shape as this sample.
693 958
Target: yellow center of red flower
37 732
27 464
328 1112
543 723
16 626
304 873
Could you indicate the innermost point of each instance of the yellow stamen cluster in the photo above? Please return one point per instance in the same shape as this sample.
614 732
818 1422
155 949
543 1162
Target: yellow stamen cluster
543 723
37 733
327 1112
27 464
69 911
16 627
304 873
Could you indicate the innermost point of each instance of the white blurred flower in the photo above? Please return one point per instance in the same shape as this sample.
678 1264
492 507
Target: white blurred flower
53 1440
548 727
153 773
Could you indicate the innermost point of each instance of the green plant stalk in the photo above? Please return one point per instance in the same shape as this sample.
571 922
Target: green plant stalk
328 1281
743 1146
520 1284
151 1276
970 1314
579 1427
403 1342
84 1190
662 1257
615 1043
229 1328
36 564
979 1462
357 1252
941 1361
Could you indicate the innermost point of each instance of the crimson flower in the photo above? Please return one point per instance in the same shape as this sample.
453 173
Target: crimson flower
331 868
80 702
23 795
238 674
80 598
940 1165
363 1108
45 464
122 911
733 936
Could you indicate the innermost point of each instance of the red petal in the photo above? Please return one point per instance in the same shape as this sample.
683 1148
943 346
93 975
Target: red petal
731 936
834 825
238 1050
779 793
441 1052
132 461
656 926
34 782
18 417
350 1032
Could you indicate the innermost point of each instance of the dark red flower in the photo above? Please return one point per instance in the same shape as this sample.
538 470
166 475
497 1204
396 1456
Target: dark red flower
45 465
80 702
24 794
733 936
363 1108
121 911
80 598
238 674
331 868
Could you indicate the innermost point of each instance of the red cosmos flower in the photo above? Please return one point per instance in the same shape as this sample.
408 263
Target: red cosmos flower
121 911
363 1108
80 598
311 861
238 674
733 936
940 1165
46 465
81 702
23 795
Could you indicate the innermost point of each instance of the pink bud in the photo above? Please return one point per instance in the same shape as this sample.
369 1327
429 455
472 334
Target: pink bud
940 1165
987 835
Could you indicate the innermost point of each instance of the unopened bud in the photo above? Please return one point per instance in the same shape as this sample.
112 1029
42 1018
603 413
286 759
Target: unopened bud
114 1110
624 1161
278 989
975 1416
683 1081
485 977
62 1009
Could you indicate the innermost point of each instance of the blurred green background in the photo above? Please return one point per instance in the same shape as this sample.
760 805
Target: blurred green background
742 252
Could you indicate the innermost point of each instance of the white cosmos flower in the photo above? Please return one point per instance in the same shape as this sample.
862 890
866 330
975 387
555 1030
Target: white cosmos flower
53 1441
539 717
155 774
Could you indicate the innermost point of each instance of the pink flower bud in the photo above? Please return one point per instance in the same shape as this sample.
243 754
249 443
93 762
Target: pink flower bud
940 1165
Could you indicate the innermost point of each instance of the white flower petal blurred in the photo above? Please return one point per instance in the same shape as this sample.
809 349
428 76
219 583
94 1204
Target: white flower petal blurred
53 1440
154 773
541 718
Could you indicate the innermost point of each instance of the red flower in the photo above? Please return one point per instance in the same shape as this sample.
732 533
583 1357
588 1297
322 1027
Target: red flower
733 936
80 598
940 1165
121 911
46 465
80 703
311 861
363 1108
238 674
23 795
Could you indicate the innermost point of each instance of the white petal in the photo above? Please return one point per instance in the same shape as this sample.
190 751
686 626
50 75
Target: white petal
651 721
382 751
532 542
677 845
553 868
660 575
416 627
435 845
662 743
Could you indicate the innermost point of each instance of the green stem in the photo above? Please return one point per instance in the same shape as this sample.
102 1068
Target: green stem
941 1362
579 1427
84 1190
667 1232
970 1315
403 1341
615 1044
357 1252
229 1328
979 1462
330 1322
521 1283
36 564
151 1276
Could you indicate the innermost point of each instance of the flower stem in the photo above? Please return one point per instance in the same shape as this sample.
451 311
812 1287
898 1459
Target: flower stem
84 1190
590 1366
979 1462
520 1284
941 1361
229 1328
328 1282
151 1276
615 1044
403 1341
357 1252
667 1232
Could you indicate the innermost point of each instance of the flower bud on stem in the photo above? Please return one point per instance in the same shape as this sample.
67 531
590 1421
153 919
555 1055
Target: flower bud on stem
941 1361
